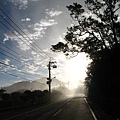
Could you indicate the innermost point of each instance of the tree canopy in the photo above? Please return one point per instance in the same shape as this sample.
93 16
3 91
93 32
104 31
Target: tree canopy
94 28
96 31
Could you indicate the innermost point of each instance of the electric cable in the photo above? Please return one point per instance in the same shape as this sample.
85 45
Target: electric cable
14 59
19 27
13 51
14 75
10 57
36 46
11 54
16 68
20 77
19 37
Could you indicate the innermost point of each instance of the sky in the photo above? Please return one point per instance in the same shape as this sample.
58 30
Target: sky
28 28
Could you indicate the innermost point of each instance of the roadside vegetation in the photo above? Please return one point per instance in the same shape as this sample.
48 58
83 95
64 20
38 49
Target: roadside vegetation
95 30
27 98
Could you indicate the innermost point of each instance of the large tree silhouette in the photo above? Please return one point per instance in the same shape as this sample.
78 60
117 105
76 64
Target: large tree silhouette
94 28
96 31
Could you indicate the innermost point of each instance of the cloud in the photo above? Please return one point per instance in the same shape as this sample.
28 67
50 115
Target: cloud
31 68
3 67
35 65
6 38
24 43
26 19
53 13
47 23
35 0
40 27
6 61
119 18
39 30
21 3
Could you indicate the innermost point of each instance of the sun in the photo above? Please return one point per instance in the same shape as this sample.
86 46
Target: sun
76 69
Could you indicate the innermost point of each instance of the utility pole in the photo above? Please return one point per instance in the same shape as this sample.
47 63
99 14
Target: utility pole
51 64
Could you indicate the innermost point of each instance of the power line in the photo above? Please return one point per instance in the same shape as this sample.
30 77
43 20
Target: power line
21 35
19 27
14 59
16 68
20 77
11 54
13 66
13 50
10 14
21 39
22 32
22 61
25 63
10 57
14 75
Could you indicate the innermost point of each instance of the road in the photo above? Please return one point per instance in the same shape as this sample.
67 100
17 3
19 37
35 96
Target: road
69 109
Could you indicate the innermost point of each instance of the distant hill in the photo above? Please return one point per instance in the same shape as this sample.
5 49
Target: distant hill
39 84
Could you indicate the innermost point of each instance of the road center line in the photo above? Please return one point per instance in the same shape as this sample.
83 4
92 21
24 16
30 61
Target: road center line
57 112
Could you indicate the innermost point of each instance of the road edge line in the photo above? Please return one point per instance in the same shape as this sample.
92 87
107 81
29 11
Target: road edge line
57 112
93 114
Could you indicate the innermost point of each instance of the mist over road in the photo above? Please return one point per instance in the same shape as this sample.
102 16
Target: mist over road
69 109
76 109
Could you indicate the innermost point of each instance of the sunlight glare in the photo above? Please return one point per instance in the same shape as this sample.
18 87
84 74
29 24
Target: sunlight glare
76 70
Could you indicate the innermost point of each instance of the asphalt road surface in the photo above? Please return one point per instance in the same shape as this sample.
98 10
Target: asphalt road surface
68 109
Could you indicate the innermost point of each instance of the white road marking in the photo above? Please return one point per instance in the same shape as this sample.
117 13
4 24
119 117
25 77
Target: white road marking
30 111
57 112
68 103
93 114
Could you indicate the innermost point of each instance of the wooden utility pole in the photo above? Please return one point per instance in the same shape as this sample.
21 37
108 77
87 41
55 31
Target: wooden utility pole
49 80
51 64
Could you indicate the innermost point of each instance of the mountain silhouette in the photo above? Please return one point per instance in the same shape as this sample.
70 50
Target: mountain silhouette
39 84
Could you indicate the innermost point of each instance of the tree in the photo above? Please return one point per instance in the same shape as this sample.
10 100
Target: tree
37 97
15 95
6 96
96 31
94 28
2 91
38 93
26 97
